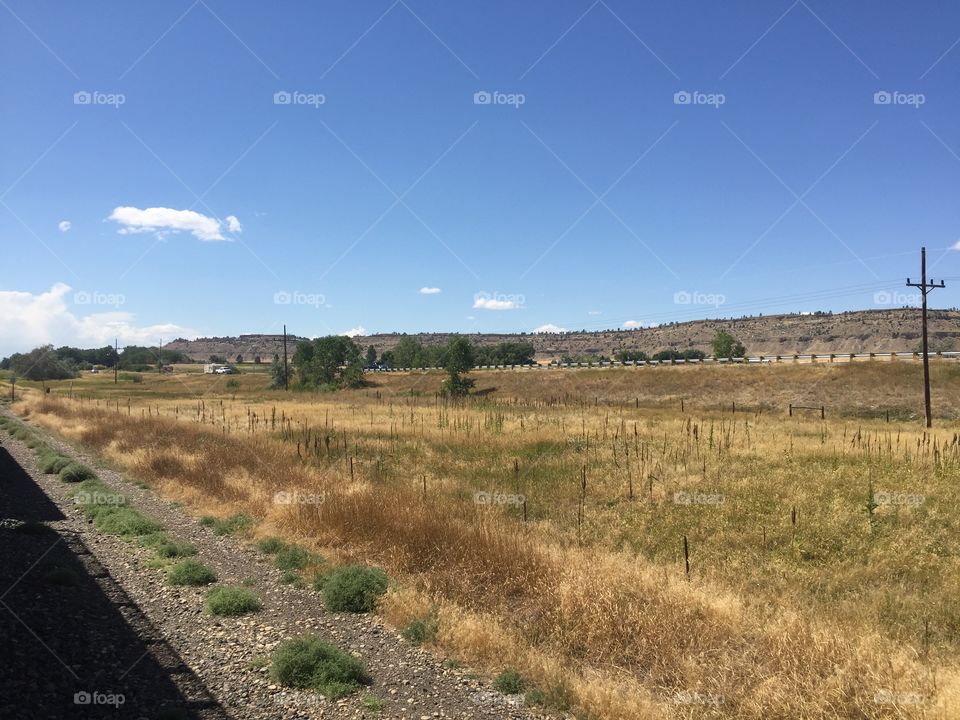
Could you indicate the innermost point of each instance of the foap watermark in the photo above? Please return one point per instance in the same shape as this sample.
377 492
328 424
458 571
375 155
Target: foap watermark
99 698
283 297
695 97
897 298
95 297
682 497
498 301
684 297
892 697
295 97
886 497
484 497
99 498
495 97
295 497
96 97
895 97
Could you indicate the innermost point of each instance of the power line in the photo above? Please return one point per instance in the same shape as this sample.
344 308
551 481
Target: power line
924 287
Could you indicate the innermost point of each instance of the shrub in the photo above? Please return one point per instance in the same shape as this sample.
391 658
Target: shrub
231 601
76 472
291 578
208 521
308 662
191 572
509 682
125 522
171 549
354 588
228 526
271 545
53 464
293 557
421 630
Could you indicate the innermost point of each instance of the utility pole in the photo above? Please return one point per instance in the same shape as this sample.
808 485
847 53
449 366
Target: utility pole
285 378
160 357
925 288
116 359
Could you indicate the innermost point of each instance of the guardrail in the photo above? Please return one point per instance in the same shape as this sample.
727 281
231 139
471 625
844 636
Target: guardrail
751 360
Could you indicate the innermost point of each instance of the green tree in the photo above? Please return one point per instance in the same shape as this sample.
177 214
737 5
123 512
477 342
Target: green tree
458 361
41 364
371 355
328 362
726 345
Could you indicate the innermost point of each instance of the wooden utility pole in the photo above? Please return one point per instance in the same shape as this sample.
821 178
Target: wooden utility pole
160 358
285 372
116 360
925 288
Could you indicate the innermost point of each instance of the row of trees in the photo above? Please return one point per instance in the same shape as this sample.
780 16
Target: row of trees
410 353
65 361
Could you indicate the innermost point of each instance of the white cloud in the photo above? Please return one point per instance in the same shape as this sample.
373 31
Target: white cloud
489 303
37 319
429 291
64 225
957 246
164 221
355 332
631 324
549 328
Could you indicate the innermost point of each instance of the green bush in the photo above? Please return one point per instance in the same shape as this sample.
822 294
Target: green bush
293 557
421 630
125 522
231 601
291 578
509 682
228 526
191 572
308 662
76 472
271 545
208 521
171 549
53 464
354 588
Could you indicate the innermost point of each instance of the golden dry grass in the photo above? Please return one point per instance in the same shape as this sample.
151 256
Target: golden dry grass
850 611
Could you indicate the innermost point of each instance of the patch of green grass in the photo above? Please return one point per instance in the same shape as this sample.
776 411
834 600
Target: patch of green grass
271 545
421 630
76 472
535 697
190 572
354 588
231 601
292 578
509 682
294 557
126 522
51 464
307 662
258 662
208 521
372 702
172 549
62 576
233 525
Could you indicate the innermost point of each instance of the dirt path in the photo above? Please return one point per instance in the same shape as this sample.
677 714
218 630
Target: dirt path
122 630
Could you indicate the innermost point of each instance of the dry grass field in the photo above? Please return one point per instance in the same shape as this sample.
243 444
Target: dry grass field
543 522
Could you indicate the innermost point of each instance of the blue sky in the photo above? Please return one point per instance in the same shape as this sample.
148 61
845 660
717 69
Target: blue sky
226 167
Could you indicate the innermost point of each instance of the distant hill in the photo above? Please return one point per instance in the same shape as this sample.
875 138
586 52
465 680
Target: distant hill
857 331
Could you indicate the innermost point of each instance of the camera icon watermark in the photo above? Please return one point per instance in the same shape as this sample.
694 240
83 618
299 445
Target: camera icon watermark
95 297
95 97
98 698
98 498
697 498
695 97
685 297
295 497
892 697
295 97
284 297
895 97
897 299
485 97
885 497
484 497
496 300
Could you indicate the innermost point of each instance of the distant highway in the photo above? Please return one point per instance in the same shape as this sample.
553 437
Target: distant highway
752 360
